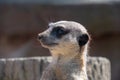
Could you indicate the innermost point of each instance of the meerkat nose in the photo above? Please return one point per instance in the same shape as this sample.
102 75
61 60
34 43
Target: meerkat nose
40 37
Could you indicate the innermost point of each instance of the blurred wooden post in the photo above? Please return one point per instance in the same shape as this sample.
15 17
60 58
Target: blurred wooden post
31 68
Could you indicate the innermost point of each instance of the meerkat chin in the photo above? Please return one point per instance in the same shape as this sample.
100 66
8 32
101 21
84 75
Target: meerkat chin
67 42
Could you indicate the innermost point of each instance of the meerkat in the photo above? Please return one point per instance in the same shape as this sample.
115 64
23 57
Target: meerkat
68 43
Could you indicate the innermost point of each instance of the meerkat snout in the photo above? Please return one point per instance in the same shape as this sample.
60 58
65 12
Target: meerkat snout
40 37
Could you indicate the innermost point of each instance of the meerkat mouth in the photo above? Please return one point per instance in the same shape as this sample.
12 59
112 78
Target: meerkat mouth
47 44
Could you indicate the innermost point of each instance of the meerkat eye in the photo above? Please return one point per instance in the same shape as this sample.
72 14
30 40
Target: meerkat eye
59 32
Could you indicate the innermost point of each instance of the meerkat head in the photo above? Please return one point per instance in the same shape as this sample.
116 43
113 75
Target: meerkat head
64 37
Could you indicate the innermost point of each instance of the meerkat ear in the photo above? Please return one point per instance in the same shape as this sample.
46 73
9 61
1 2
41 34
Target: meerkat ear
82 39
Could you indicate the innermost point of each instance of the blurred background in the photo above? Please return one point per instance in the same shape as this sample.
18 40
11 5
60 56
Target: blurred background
22 20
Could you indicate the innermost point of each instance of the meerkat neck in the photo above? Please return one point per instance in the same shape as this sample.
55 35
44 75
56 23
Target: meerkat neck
76 65
80 58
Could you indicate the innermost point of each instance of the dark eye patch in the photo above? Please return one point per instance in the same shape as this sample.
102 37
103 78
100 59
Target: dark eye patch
59 32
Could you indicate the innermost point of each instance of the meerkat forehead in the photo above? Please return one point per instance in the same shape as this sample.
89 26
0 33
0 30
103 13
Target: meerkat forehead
72 25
